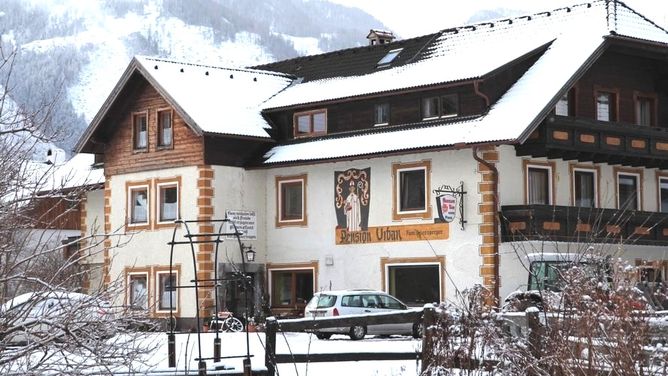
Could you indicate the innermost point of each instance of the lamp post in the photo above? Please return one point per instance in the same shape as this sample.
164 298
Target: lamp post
250 257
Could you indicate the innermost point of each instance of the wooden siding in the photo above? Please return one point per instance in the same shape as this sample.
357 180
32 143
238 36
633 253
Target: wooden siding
629 75
55 213
120 158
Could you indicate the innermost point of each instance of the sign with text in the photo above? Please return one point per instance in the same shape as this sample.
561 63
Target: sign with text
447 207
246 222
388 234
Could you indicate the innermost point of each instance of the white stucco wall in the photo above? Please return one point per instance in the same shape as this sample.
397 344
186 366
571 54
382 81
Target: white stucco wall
359 265
238 189
149 248
512 192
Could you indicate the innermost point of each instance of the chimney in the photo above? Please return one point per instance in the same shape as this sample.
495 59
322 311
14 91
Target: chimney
379 37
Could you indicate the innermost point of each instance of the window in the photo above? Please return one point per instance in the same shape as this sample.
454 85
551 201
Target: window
138 290
415 284
168 201
165 134
566 104
628 192
381 114
645 110
389 58
411 190
138 204
167 291
291 288
606 106
140 132
663 194
539 184
584 188
310 123
444 106
291 200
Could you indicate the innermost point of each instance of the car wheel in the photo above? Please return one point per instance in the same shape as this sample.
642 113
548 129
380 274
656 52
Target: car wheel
357 332
418 329
323 335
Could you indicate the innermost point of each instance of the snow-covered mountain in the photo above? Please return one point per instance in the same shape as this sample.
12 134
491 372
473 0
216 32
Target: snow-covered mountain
75 50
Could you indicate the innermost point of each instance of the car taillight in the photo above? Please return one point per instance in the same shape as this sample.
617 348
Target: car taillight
335 312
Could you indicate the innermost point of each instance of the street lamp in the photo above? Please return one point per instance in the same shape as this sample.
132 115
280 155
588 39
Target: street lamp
250 253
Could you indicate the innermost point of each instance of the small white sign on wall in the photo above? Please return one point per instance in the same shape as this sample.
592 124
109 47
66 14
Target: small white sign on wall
246 222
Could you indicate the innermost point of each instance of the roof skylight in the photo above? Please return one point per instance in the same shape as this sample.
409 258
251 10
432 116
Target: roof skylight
387 59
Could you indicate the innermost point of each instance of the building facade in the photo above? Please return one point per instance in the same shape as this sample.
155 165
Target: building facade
419 167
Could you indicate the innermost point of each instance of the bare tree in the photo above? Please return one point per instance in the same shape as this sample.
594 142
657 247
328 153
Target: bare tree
46 323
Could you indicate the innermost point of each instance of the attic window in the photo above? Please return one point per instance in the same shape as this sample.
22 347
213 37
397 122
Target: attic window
389 58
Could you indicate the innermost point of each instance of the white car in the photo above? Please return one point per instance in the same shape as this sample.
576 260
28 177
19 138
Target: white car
359 302
37 315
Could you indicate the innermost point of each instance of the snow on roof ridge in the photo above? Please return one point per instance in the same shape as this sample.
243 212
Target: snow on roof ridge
198 65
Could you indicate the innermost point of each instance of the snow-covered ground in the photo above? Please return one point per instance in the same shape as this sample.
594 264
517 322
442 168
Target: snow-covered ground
296 343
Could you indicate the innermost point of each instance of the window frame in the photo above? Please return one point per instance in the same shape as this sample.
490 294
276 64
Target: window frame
375 114
291 268
158 271
160 129
397 169
653 98
280 180
614 103
312 131
439 106
160 184
130 187
135 132
550 167
660 176
597 179
129 273
638 174
387 262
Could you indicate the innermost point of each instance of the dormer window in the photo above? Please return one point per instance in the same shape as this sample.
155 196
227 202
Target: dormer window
381 114
443 106
389 58
310 123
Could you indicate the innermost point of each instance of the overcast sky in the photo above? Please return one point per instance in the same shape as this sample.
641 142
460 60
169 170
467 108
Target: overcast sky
410 18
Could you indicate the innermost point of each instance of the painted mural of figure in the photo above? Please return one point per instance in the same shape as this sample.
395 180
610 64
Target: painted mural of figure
352 210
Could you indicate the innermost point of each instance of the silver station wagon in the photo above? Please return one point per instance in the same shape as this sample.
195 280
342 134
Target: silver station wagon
359 302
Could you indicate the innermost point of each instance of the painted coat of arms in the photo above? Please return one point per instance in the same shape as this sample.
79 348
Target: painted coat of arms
352 193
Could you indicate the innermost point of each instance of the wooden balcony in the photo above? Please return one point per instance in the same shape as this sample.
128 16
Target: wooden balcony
584 225
587 140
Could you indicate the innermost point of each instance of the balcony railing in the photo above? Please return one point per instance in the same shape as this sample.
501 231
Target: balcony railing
583 139
586 225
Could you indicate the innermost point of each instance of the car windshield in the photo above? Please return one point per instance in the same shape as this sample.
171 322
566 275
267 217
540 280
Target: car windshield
548 275
322 301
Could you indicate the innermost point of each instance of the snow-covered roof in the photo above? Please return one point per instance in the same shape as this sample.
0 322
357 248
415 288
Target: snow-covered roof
77 172
216 99
574 36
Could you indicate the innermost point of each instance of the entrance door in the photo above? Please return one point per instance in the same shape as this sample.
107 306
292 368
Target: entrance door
415 285
234 294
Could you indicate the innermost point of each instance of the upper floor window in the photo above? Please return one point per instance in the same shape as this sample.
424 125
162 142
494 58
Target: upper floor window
168 201
606 106
645 109
381 114
663 194
443 106
539 184
165 133
291 200
140 131
566 104
628 191
585 190
411 190
310 123
138 205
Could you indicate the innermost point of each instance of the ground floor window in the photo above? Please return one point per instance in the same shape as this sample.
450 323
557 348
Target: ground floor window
415 284
138 290
167 291
291 288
